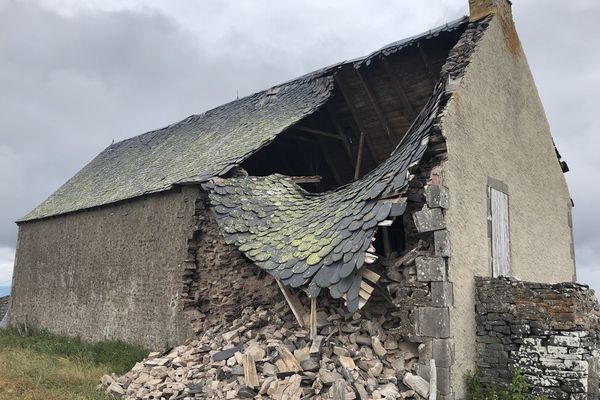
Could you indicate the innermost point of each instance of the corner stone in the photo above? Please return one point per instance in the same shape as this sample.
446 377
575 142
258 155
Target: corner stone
433 322
428 220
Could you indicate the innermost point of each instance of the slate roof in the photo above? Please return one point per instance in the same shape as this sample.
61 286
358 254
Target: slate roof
205 145
318 240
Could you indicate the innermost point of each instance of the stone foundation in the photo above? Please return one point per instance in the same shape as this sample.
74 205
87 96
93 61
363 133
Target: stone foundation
548 331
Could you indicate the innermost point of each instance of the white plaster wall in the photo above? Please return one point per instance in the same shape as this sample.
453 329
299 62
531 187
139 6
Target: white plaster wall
495 126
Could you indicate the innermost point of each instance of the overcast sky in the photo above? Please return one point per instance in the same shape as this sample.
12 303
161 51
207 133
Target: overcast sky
75 75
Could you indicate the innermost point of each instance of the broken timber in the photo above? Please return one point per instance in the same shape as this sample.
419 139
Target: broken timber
294 303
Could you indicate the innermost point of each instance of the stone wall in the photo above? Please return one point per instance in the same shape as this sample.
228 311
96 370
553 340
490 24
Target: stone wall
548 331
3 306
218 280
113 272
417 280
138 271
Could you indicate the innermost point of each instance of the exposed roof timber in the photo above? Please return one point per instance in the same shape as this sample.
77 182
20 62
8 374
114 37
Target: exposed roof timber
340 131
361 146
380 115
354 112
318 132
330 164
399 88
425 59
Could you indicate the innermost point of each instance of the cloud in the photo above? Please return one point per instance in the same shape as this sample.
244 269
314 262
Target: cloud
6 266
76 75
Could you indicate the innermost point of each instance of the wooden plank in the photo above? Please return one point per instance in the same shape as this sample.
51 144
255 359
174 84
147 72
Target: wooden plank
370 275
412 113
357 120
318 132
432 380
294 303
500 233
250 375
289 360
315 347
366 287
361 145
380 115
370 258
313 318
306 179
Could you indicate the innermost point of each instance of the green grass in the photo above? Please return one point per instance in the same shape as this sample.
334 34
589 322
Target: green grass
518 389
49 367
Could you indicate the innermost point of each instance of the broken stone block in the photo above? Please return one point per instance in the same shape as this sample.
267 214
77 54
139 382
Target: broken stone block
428 220
329 377
431 269
436 196
378 347
416 383
347 362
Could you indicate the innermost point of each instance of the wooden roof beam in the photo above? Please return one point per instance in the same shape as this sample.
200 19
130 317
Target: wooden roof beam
340 131
399 88
426 63
380 115
318 132
354 113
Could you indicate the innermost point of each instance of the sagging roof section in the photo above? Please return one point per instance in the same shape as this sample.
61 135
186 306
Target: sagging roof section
206 145
319 240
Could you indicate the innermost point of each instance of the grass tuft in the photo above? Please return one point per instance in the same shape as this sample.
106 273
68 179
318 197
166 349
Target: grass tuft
44 366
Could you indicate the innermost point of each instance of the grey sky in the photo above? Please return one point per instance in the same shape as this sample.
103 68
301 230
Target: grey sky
74 75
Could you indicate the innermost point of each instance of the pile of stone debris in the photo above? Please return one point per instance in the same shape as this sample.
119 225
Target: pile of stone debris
265 355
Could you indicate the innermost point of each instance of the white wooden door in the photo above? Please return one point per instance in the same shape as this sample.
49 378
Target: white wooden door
500 239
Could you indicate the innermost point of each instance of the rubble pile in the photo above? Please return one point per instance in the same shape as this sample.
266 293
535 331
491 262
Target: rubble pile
265 355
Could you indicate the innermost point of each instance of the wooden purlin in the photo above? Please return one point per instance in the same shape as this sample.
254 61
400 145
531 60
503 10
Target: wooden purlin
356 118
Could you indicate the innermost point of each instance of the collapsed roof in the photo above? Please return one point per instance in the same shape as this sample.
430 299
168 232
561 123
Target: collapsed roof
210 144
304 239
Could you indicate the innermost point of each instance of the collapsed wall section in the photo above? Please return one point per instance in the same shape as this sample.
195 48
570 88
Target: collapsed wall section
218 281
548 331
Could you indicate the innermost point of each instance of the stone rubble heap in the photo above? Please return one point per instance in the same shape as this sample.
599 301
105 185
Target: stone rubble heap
264 355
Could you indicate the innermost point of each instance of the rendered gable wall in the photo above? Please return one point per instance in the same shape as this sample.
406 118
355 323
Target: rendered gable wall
495 127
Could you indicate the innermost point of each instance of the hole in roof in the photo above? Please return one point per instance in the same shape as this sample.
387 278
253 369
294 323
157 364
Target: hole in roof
381 99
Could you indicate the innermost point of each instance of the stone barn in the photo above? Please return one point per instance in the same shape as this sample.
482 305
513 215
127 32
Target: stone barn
389 181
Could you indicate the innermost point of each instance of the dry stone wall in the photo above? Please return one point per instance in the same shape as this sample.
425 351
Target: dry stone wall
548 331
218 281
4 306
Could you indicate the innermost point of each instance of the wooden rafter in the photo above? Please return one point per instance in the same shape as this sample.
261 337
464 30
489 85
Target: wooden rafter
331 165
380 115
294 303
427 64
354 113
340 132
318 132
361 145
399 88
